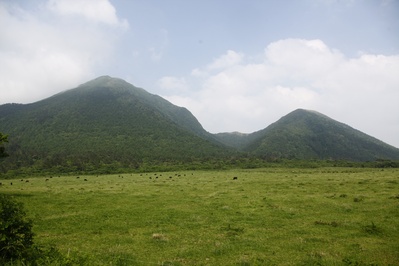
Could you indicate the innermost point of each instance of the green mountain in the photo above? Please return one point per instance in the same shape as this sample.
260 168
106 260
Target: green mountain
104 121
108 124
304 134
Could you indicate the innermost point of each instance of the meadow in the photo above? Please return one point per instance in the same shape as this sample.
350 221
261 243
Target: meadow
267 216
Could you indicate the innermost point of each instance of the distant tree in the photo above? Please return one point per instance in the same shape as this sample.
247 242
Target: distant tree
3 139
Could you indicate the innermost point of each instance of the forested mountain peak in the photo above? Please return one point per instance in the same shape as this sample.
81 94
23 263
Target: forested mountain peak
104 121
109 91
116 84
307 134
106 86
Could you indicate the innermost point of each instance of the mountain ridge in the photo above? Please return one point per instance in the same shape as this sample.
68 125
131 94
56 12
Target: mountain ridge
109 121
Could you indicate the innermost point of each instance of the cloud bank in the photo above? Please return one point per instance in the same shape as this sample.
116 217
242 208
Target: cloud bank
237 92
56 46
100 11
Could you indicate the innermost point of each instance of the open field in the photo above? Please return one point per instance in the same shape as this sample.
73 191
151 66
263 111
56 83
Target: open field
324 216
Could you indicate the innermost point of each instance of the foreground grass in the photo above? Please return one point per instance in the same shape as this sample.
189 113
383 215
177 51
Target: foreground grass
327 216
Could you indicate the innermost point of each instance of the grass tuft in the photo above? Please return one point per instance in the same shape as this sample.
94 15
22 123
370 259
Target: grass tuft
372 229
159 237
333 223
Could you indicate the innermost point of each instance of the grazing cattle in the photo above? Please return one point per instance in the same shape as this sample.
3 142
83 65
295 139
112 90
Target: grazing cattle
27 181
85 179
235 178
77 177
46 179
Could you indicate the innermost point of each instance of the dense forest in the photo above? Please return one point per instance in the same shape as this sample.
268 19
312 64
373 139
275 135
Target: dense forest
107 125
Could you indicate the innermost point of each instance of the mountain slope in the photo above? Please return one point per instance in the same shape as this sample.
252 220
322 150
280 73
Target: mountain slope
109 122
305 134
105 120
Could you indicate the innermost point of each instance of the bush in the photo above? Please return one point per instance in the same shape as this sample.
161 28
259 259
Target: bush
16 236
16 239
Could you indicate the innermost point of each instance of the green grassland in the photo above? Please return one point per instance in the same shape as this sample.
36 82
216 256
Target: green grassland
273 216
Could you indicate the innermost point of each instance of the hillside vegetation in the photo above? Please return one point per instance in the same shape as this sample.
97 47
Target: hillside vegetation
108 125
103 122
304 134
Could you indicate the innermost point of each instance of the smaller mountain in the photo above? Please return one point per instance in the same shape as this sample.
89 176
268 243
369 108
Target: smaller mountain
306 134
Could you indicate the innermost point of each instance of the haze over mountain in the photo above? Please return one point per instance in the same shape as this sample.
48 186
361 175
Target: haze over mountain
109 122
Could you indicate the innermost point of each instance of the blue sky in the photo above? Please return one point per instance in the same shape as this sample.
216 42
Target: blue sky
236 65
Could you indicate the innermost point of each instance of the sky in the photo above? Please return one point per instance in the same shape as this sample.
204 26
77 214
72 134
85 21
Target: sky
237 65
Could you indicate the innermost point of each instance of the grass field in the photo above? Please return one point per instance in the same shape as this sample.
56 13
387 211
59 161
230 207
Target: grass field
324 216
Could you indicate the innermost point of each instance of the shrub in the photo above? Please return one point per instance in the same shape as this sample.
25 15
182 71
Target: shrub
16 239
16 236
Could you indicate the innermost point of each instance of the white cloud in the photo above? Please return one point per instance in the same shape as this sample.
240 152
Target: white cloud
228 60
295 73
94 10
231 58
42 52
302 60
173 84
